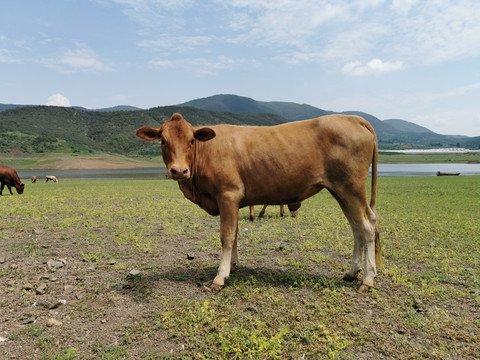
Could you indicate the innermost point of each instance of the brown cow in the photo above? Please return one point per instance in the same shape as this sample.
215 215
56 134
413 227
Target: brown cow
292 207
225 167
9 177
34 179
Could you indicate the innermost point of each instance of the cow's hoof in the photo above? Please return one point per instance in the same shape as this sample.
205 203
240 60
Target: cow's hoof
364 288
216 287
349 278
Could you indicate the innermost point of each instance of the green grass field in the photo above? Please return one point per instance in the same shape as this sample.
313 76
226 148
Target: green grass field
285 301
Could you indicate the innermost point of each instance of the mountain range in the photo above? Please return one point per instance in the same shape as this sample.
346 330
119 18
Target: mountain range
33 129
390 132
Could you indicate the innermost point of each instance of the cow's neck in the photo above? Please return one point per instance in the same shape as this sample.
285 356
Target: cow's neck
187 188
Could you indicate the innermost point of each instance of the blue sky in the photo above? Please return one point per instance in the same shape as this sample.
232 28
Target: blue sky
409 59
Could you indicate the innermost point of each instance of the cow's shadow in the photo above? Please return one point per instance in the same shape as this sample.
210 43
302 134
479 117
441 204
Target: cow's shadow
200 278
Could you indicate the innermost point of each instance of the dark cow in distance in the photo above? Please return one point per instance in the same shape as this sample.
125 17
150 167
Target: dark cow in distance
9 177
225 167
292 207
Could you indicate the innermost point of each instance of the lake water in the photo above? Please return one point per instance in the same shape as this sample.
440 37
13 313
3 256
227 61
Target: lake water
426 169
160 173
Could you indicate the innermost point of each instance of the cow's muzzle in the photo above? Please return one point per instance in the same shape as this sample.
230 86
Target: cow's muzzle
179 173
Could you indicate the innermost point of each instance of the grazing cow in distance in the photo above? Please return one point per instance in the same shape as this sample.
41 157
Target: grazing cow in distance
9 177
34 179
225 167
292 207
52 178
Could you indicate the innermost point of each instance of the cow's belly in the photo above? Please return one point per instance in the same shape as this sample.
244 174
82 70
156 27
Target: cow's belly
281 193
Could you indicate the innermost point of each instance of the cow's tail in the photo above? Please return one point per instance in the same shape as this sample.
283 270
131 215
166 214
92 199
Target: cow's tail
373 198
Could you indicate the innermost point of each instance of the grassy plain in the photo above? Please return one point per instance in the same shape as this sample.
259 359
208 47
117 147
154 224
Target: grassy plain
285 301
386 157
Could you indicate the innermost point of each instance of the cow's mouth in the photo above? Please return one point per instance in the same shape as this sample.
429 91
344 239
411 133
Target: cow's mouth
178 174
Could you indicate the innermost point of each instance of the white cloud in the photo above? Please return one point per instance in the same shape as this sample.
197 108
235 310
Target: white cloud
435 32
207 66
159 63
151 14
403 6
374 66
58 100
204 66
306 31
278 23
83 58
201 66
175 43
6 57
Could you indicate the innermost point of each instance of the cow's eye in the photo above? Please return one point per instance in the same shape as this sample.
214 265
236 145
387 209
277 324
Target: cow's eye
192 141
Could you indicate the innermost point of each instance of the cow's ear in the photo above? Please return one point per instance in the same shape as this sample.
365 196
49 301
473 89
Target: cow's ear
204 134
149 134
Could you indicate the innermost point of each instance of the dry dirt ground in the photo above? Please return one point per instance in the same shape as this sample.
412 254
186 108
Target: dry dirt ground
111 162
61 297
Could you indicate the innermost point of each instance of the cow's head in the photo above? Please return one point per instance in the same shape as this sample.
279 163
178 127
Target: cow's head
178 144
20 188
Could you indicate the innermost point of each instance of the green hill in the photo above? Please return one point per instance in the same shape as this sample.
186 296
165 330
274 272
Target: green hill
406 126
40 129
391 133
244 105
49 129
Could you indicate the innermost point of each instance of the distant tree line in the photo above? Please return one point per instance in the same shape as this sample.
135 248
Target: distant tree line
44 129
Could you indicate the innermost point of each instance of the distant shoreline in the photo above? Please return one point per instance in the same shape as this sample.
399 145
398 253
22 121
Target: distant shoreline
432 151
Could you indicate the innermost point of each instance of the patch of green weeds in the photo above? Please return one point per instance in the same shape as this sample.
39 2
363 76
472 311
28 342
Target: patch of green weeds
68 354
110 352
267 324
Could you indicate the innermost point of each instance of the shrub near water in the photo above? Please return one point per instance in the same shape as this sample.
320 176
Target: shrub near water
286 300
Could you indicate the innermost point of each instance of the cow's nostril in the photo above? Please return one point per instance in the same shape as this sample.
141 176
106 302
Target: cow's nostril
179 172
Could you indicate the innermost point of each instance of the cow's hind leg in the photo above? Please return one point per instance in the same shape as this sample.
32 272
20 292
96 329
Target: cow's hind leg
363 222
262 212
234 259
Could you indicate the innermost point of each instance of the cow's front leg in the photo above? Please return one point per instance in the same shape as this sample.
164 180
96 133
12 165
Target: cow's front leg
228 236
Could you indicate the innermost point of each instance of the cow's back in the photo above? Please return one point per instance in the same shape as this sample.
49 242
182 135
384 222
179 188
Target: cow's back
9 176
